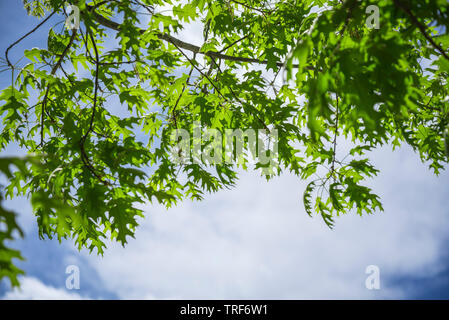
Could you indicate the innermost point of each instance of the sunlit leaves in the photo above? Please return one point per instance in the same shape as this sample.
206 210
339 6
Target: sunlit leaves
342 82
14 169
9 230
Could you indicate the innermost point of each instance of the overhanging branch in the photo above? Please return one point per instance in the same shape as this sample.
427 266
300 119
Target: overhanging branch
422 28
184 45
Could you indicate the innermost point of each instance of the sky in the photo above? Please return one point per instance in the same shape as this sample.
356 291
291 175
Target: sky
254 241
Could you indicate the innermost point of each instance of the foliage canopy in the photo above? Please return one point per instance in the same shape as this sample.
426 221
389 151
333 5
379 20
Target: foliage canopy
312 69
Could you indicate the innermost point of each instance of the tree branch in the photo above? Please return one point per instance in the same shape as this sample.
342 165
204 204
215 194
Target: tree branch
421 27
185 45
26 35
53 72
84 156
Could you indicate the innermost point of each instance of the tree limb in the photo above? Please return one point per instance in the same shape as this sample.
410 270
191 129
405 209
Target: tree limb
421 28
185 45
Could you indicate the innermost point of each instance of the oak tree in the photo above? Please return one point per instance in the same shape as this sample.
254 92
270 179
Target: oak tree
95 106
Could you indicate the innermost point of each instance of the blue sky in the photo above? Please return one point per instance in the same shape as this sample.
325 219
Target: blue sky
252 242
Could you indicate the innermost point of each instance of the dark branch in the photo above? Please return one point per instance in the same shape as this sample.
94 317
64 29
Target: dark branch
84 156
53 72
26 35
421 28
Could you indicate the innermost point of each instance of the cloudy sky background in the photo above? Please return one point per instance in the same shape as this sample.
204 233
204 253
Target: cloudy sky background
254 241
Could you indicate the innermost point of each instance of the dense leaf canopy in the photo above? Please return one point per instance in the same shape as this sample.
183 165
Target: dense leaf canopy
95 107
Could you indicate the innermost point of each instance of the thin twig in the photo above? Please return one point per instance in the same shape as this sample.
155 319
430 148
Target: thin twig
180 95
84 156
26 35
53 72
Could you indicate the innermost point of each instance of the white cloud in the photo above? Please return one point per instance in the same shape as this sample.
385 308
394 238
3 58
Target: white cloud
33 289
256 242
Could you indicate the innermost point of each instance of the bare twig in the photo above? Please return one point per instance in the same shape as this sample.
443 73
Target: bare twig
187 46
26 35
